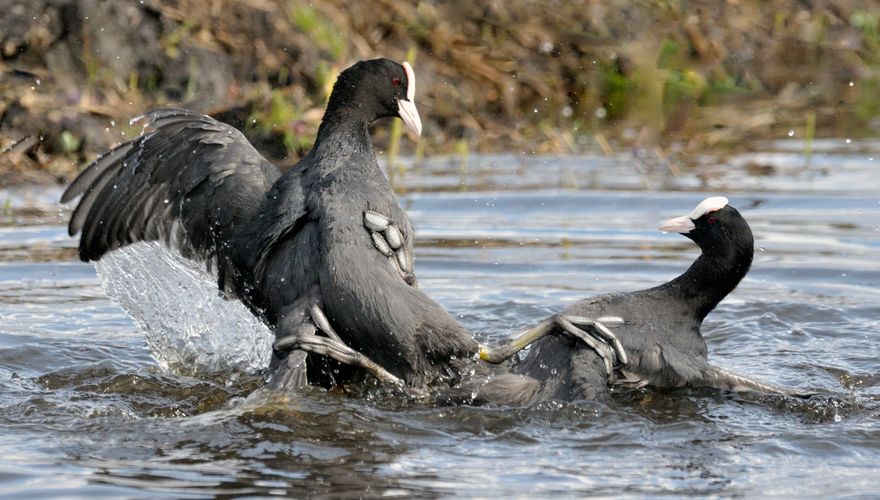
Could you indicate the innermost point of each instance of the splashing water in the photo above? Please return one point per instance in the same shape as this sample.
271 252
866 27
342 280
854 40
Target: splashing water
190 327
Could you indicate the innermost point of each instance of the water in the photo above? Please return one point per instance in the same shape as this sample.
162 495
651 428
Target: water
502 242
189 326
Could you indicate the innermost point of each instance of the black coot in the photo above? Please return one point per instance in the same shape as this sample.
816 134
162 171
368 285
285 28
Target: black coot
660 329
322 253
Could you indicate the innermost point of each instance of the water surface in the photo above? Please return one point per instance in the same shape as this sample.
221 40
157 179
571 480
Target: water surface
502 241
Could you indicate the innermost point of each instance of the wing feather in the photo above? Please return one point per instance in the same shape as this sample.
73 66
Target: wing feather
188 181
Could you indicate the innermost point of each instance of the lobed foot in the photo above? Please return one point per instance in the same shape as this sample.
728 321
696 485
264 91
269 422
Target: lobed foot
607 345
600 338
388 239
305 338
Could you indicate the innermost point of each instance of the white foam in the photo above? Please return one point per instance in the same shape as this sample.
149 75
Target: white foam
189 326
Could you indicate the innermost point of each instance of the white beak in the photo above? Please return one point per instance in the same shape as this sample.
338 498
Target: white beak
681 225
407 109
409 115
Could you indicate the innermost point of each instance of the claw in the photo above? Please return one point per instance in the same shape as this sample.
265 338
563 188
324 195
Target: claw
600 325
602 349
375 221
337 350
411 280
609 354
303 338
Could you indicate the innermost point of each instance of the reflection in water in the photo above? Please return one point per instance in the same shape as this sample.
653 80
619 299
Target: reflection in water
86 410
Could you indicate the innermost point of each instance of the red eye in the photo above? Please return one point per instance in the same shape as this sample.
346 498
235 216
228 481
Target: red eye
711 220
395 81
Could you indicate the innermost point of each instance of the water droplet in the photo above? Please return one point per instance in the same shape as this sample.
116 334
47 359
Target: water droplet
535 110
762 248
791 133
166 201
848 140
852 84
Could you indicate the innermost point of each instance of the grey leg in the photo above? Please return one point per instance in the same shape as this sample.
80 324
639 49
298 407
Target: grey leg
601 349
303 337
721 379
496 355
388 240
334 349
285 343
601 326
603 341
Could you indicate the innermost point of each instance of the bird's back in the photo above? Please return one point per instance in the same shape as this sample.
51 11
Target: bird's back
661 337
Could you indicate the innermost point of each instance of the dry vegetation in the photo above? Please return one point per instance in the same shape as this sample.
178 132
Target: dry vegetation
674 75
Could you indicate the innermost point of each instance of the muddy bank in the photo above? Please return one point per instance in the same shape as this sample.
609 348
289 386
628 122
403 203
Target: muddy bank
677 77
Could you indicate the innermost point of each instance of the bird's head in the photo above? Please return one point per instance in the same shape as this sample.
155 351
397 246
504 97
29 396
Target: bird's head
378 88
715 226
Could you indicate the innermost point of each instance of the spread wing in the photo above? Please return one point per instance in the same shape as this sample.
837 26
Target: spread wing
189 181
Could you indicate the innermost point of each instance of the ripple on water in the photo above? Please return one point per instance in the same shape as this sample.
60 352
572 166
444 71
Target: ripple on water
86 410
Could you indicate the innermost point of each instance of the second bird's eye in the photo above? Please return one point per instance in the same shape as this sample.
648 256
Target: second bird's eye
711 220
395 81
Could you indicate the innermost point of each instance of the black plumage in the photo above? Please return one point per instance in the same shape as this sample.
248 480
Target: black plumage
661 330
281 243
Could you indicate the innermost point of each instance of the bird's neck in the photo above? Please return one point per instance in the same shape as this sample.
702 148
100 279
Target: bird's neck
344 119
711 278
343 140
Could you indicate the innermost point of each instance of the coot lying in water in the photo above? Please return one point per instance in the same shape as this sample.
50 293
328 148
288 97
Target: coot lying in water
659 328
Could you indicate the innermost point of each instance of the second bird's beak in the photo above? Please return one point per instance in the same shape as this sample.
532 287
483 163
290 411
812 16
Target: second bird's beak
410 115
681 225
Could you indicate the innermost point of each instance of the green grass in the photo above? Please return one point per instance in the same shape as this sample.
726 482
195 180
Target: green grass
279 116
310 21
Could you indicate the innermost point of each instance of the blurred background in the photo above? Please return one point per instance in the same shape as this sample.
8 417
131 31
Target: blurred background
670 78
